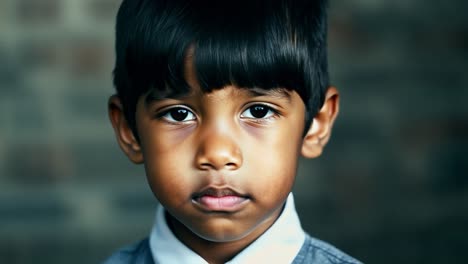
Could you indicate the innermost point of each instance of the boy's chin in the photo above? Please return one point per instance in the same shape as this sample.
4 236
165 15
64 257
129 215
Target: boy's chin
218 234
219 228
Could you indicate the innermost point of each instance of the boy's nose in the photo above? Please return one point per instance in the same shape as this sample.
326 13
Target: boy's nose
218 150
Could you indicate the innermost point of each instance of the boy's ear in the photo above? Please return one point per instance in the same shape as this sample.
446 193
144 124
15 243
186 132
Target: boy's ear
123 132
320 130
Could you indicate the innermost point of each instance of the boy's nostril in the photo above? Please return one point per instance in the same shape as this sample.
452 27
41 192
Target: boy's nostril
231 165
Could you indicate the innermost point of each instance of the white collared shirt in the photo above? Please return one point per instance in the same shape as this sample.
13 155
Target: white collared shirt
279 244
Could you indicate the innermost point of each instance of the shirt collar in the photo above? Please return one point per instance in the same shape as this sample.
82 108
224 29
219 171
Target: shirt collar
279 244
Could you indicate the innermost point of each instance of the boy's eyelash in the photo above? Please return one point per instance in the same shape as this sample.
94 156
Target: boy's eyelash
275 113
164 110
161 114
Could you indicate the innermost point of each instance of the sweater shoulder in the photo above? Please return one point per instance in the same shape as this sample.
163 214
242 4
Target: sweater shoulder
317 251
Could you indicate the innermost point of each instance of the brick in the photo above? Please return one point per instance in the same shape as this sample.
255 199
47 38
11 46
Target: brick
47 210
40 54
89 57
32 12
38 163
9 72
103 10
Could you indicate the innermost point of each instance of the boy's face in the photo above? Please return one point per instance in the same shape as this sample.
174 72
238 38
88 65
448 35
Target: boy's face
221 163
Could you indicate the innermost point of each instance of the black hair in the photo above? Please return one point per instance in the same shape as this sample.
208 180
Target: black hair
257 43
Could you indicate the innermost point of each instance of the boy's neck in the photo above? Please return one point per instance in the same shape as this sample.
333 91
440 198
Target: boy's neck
215 252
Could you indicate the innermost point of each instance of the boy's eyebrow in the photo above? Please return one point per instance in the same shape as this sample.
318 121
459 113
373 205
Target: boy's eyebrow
157 95
280 93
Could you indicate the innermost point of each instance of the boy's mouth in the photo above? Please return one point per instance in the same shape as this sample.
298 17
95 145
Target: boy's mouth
220 200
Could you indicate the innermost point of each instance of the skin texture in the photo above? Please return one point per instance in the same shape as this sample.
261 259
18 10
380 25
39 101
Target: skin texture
229 142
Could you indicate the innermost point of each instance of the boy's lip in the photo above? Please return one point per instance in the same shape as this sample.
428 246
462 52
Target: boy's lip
219 200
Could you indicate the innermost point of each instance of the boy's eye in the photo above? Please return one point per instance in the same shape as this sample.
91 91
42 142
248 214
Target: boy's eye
258 111
178 114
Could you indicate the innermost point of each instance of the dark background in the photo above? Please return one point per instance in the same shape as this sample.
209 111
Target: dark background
391 187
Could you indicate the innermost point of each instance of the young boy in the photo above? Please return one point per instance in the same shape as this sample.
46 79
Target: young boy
218 99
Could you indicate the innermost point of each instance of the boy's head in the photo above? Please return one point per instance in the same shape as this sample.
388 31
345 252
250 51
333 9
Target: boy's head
266 44
218 99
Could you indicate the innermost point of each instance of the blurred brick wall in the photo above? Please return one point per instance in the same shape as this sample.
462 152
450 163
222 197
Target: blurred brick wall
391 187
